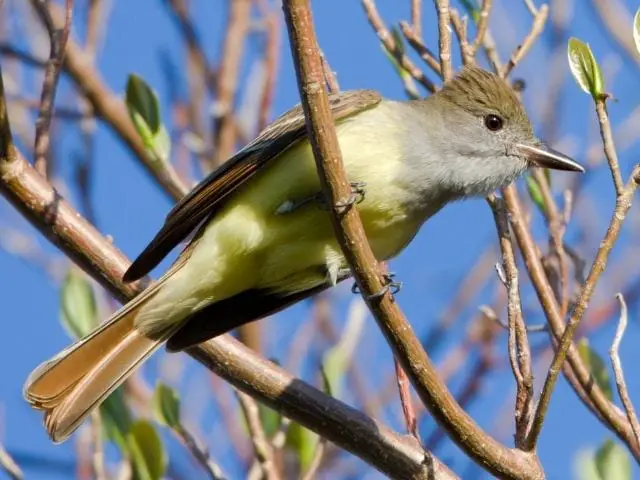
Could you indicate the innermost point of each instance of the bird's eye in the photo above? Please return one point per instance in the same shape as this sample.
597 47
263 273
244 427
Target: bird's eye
493 122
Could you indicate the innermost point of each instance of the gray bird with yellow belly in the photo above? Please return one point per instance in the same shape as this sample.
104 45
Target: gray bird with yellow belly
264 239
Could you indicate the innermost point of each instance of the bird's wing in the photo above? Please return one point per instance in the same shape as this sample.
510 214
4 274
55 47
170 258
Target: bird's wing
213 192
245 307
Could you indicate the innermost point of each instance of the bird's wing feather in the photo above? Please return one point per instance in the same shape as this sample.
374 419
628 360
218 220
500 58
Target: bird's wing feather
245 307
211 194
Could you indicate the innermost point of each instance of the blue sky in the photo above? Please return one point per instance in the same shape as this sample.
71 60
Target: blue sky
130 209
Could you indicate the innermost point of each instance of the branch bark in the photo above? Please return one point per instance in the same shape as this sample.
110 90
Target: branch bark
493 456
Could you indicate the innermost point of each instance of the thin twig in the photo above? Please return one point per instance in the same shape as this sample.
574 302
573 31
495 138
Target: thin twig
261 446
537 26
389 43
416 17
623 204
271 58
97 460
481 27
312 471
576 372
531 6
618 372
444 38
406 401
609 146
200 77
9 465
224 130
278 441
329 75
194 47
58 39
614 14
350 235
519 351
200 453
460 27
421 49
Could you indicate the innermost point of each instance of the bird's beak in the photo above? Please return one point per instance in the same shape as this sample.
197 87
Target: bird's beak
543 156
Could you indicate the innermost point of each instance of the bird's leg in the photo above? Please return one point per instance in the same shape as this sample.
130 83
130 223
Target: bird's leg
389 285
356 196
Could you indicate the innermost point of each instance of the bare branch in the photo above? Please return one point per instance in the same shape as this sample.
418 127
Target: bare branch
444 38
494 456
421 49
271 59
519 351
261 447
416 17
58 40
460 27
97 460
481 27
623 204
9 465
389 43
406 401
618 372
537 26
224 137
578 374
608 145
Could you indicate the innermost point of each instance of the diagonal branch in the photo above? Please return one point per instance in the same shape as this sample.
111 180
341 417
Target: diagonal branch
58 39
493 456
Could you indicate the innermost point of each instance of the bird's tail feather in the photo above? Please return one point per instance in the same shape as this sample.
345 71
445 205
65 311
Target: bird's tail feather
68 386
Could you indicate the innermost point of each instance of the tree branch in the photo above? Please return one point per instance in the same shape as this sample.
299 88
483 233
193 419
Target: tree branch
492 455
618 372
58 39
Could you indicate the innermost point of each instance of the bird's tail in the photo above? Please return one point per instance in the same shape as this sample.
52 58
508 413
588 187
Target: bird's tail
71 384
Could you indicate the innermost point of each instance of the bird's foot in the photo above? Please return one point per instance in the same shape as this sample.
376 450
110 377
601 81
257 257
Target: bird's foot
390 285
357 195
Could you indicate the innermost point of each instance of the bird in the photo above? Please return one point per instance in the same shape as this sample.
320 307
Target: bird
261 235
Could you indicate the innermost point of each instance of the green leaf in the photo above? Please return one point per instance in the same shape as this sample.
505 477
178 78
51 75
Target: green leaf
612 462
584 68
78 311
147 453
472 10
303 441
398 39
636 30
534 192
144 110
585 465
337 359
597 367
116 419
166 406
407 79
270 419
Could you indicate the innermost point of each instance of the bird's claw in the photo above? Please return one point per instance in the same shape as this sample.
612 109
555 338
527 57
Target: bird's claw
356 196
390 285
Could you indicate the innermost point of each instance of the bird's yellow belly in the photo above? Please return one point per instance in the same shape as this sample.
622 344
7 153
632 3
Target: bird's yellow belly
256 243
